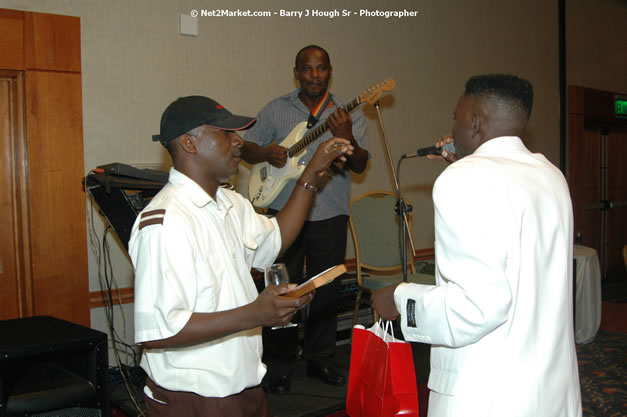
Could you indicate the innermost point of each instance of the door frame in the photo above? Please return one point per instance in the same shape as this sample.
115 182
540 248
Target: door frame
16 170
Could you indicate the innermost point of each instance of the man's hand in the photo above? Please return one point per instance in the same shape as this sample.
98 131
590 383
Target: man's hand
383 303
329 151
268 309
445 156
292 217
274 310
275 155
341 124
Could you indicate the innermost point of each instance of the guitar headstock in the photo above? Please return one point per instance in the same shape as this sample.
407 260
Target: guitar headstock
372 94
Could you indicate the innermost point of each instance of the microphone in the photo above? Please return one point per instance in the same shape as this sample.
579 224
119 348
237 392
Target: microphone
431 150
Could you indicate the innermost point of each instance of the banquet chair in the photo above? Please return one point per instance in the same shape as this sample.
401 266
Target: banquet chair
374 226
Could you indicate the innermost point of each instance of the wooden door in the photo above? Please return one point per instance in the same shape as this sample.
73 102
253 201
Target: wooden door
15 296
56 199
44 245
597 175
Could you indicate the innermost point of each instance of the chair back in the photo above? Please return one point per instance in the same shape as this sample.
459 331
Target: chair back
374 226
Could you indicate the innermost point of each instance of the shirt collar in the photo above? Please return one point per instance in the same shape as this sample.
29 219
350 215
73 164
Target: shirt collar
500 145
293 98
195 192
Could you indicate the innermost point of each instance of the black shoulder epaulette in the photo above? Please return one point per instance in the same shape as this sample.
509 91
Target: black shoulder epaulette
151 217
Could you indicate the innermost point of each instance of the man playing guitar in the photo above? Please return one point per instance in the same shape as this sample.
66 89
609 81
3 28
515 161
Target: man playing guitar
322 241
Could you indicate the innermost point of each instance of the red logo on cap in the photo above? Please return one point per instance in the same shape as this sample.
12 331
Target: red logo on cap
219 107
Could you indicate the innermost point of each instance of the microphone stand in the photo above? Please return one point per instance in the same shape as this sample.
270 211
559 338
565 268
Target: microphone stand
401 208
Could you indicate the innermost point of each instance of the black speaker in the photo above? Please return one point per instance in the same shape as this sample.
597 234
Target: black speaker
51 367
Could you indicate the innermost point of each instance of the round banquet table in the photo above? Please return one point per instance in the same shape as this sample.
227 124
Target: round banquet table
587 294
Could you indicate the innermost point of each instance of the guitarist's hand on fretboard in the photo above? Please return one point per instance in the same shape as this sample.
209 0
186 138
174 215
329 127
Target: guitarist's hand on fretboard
341 124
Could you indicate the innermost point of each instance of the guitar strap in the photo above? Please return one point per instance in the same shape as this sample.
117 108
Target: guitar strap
314 116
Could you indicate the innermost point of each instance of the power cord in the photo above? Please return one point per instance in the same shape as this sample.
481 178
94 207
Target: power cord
109 289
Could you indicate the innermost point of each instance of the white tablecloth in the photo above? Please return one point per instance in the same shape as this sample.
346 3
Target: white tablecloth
588 294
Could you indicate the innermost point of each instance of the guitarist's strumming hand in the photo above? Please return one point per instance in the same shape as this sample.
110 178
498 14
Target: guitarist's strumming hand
275 155
341 124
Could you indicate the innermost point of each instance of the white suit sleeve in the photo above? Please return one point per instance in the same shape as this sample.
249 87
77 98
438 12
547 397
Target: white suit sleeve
472 297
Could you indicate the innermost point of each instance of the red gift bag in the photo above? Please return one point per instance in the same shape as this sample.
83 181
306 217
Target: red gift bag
381 379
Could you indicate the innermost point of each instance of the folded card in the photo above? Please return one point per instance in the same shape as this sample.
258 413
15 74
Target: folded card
319 280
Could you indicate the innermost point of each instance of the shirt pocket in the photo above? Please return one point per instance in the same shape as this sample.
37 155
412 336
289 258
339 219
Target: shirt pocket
250 249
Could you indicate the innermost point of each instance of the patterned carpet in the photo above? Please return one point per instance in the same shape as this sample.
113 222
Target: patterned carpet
602 375
602 362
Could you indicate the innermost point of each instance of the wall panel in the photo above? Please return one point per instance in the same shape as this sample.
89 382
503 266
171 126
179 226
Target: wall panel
57 203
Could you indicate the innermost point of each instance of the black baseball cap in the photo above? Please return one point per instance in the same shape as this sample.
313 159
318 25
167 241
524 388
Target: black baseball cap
186 113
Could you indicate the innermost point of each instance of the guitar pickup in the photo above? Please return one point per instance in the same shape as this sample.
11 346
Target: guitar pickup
263 173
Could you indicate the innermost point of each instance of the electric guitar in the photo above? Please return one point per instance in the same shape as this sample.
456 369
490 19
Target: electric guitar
266 181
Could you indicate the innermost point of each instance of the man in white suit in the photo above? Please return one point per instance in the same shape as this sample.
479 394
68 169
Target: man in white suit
500 317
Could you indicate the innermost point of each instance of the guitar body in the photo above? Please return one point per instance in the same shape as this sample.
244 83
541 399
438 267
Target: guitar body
267 181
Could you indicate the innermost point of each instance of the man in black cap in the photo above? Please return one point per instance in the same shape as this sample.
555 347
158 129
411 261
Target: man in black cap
197 311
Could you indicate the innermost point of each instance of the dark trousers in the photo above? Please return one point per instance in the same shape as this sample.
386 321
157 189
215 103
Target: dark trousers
320 245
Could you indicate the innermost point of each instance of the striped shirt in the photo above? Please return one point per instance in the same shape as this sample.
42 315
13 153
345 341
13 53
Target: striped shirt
276 120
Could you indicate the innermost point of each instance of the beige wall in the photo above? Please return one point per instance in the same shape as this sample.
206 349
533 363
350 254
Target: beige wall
134 63
596 49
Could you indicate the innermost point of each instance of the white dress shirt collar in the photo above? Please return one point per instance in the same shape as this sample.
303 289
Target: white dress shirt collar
196 193
497 146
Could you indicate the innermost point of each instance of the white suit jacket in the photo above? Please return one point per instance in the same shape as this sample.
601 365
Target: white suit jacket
500 317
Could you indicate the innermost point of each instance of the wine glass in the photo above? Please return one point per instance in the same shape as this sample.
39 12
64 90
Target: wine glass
277 274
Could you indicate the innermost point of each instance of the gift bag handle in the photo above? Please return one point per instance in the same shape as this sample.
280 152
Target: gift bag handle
384 326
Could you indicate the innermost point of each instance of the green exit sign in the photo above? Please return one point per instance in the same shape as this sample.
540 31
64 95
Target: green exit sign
620 106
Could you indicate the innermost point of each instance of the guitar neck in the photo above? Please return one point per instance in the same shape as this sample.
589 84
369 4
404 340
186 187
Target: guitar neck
315 134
